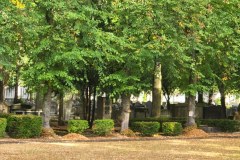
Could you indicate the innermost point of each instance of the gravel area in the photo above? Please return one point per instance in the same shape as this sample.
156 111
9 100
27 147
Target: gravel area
211 148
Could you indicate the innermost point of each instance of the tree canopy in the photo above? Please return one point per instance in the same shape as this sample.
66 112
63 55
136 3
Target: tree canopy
113 46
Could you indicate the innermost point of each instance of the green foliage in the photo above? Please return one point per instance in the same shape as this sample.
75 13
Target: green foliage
146 128
3 125
113 45
103 127
77 126
225 125
24 126
183 121
172 128
5 115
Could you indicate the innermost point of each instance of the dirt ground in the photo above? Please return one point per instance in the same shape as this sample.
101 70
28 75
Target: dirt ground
209 148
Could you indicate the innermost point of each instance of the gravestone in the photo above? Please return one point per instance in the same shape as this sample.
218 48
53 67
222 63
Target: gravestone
180 110
54 108
213 112
140 110
149 107
100 107
67 106
116 112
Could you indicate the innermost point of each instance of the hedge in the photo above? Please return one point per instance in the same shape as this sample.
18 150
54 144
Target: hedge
77 126
5 115
103 127
183 121
146 128
172 128
24 126
3 125
225 125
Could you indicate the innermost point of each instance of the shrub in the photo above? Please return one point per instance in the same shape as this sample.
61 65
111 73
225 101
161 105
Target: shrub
5 115
3 125
172 128
128 133
24 126
103 127
77 126
225 125
146 128
161 120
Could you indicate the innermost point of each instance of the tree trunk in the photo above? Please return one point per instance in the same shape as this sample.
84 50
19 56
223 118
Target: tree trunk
16 91
223 99
210 97
85 103
61 110
157 91
82 107
1 92
191 102
168 102
89 104
125 111
200 97
191 110
93 107
110 104
1 97
47 108
186 98
30 96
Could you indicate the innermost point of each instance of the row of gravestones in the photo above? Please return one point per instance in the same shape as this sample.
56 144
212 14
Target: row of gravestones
203 111
139 110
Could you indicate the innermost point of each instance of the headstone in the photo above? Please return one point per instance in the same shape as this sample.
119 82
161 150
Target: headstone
101 107
213 112
54 108
209 129
67 105
149 106
140 109
181 110
116 112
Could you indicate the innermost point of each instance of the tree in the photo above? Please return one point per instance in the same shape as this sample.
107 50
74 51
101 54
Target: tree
223 29
11 50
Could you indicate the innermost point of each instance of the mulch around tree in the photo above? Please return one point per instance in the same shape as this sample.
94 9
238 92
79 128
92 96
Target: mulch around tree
61 135
195 133
115 136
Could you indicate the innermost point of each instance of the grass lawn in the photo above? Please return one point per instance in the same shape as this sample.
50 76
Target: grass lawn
185 149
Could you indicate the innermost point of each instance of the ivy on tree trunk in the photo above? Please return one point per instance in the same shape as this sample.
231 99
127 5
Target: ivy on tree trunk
191 101
125 111
157 91
47 108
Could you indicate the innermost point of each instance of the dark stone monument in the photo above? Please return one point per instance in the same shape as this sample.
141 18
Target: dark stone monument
148 104
213 112
101 101
140 108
